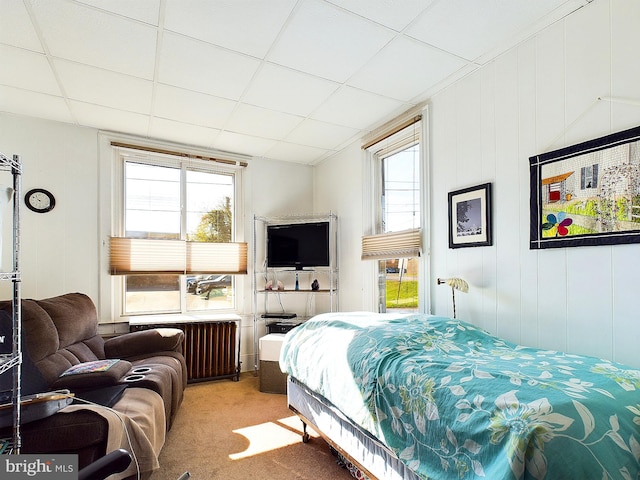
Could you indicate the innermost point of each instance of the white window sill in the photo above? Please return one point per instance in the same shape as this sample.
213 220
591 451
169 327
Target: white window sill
169 319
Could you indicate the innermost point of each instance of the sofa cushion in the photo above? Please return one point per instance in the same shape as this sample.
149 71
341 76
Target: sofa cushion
75 318
59 332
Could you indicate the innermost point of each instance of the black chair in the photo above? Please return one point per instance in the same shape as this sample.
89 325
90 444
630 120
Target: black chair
114 462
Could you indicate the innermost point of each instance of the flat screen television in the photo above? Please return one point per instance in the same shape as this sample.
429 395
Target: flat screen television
298 245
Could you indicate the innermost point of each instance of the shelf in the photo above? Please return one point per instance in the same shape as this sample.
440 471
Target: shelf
6 446
302 290
8 361
6 276
293 270
305 302
294 218
13 163
10 364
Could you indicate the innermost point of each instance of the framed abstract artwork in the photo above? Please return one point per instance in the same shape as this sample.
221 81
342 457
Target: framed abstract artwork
587 194
470 217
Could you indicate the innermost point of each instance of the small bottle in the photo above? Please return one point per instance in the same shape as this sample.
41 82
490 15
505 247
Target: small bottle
297 284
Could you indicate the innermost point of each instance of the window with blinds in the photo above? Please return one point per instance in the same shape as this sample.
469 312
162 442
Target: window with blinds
175 248
396 242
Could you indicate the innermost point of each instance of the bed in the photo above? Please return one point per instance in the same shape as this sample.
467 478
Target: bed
404 396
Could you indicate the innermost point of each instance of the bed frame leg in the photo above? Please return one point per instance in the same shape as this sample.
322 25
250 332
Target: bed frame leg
305 434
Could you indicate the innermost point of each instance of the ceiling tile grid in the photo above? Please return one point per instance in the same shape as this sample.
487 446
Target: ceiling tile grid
87 35
290 80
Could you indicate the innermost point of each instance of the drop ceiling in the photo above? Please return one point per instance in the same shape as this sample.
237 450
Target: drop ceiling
291 80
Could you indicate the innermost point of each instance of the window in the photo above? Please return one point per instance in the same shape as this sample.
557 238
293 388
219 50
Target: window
397 215
174 198
589 177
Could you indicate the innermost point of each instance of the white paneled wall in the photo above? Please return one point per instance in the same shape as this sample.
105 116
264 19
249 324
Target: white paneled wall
540 96
342 193
59 249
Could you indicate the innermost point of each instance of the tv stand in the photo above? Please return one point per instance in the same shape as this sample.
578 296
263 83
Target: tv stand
299 302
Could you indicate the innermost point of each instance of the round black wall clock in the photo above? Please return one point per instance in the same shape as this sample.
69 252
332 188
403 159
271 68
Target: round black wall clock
40 200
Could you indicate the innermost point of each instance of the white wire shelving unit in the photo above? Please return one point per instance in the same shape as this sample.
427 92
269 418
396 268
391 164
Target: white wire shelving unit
10 363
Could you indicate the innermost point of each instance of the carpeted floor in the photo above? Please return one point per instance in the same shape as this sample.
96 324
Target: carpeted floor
232 431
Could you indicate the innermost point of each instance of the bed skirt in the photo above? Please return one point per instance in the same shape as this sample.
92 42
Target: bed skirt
367 453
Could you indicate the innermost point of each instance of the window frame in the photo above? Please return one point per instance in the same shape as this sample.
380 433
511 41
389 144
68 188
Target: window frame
111 213
372 203
589 177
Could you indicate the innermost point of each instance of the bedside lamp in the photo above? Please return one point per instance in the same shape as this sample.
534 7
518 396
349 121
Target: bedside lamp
455 284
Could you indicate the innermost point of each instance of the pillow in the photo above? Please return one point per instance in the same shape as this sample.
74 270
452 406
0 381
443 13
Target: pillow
99 373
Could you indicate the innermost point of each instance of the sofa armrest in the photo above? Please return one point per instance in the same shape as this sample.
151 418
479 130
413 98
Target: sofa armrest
144 342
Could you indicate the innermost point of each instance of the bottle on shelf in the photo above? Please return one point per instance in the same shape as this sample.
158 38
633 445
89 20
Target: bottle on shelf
297 283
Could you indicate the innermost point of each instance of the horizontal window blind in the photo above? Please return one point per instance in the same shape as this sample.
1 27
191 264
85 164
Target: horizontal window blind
205 257
385 246
137 256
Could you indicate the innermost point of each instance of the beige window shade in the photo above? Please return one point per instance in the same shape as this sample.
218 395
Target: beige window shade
385 246
150 256
204 257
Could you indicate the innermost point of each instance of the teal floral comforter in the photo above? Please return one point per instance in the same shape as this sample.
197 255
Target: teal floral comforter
453 401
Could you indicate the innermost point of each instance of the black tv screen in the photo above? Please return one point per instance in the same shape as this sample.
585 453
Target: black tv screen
298 245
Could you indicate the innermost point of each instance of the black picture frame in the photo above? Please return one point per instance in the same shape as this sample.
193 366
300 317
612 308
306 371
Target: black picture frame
587 194
470 217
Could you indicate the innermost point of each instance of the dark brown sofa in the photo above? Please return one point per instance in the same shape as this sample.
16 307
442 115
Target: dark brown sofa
63 350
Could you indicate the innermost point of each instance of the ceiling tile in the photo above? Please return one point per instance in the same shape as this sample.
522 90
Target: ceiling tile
249 26
293 80
199 66
355 108
386 12
261 122
27 70
243 144
180 132
191 107
86 35
104 87
32 104
455 76
290 152
469 28
109 118
327 41
415 66
16 28
321 135
147 11
288 91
